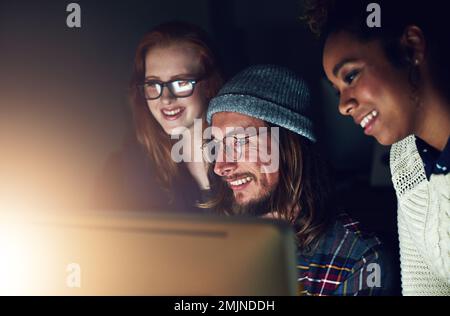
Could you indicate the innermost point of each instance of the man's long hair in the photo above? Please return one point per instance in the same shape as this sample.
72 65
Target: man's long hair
304 182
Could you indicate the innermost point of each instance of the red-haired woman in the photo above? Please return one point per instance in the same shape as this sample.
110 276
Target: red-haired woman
175 75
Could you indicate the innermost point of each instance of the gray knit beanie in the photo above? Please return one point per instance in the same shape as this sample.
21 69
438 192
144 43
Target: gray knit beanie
271 93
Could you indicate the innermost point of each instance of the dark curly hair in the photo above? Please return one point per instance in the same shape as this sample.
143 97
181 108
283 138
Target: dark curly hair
327 17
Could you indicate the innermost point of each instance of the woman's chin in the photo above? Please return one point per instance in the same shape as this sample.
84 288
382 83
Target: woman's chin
388 140
176 131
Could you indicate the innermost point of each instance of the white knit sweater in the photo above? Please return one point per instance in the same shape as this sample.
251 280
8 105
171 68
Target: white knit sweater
423 222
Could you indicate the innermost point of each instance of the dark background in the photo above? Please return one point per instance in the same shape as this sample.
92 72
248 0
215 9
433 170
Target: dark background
63 95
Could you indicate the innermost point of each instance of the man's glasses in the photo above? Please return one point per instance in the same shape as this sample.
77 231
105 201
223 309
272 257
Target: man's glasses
234 146
179 88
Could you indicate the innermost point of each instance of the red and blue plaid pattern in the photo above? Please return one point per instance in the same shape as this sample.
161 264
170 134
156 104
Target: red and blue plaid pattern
345 262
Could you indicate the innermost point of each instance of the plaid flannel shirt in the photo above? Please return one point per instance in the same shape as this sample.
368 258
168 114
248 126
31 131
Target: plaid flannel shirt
344 263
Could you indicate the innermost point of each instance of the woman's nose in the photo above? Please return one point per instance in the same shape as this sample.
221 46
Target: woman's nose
347 103
166 96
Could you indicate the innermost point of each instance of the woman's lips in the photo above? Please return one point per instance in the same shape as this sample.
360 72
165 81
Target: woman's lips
368 122
172 114
369 127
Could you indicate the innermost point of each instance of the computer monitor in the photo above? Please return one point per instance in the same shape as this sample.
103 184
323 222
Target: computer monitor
141 254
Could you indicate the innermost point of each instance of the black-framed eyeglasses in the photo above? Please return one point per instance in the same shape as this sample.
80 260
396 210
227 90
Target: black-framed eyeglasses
179 88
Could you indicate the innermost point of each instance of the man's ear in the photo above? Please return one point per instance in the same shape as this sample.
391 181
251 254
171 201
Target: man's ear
414 42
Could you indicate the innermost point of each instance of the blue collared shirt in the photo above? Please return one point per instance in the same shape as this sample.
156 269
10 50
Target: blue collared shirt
434 161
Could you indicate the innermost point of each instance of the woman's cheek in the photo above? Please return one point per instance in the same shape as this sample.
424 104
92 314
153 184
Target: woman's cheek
196 107
369 90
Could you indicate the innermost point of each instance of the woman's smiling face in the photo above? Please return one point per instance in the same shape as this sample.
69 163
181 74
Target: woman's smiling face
374 92
176 61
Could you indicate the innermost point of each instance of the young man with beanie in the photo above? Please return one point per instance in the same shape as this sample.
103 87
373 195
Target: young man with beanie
271 102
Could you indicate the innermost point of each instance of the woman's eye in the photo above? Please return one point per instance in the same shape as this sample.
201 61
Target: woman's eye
151 84
182 83
348 79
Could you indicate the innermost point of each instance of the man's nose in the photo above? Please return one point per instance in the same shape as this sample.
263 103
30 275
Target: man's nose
224 168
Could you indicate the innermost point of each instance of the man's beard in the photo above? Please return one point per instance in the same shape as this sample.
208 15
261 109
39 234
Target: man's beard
259 207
